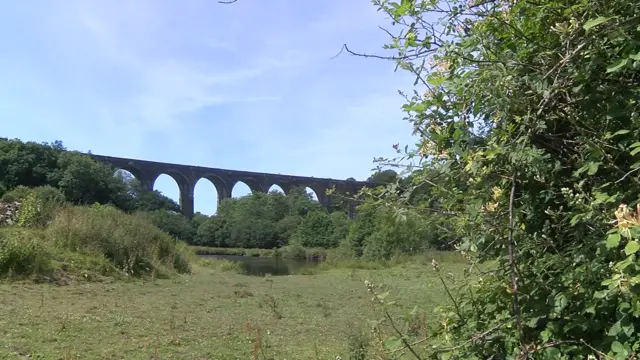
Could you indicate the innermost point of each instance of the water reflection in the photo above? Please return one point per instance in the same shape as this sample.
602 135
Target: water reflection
261 265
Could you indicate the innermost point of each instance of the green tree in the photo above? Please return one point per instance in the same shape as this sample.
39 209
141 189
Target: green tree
215 231
29 164
145 200
316 230
362 227
84 181
301 202
287 227
384 177
264 221
254 233
198 219
528 110
172 223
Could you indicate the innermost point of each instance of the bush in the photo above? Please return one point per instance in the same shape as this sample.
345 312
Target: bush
293 251
16 194
255 233
23 253
172 223
317 230
131 242
38 205
378 233
214 231
223 265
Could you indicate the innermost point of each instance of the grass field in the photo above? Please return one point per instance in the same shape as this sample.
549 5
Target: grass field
206 315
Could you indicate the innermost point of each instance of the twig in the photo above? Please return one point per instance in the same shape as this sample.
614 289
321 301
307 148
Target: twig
605 356
455 303
412 344
401 335
472 339
512 257
627 174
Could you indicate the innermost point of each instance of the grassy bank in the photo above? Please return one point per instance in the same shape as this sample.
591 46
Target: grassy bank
292 252
211 314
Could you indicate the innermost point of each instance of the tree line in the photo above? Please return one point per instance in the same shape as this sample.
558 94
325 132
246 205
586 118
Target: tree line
257 220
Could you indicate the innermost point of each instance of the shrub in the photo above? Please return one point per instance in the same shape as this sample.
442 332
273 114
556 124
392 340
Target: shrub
23 252
214 231
223 265
172 223
38 205
316 230
293 251
16 194
131 242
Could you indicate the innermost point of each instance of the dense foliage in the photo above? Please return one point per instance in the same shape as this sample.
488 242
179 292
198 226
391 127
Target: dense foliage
528 115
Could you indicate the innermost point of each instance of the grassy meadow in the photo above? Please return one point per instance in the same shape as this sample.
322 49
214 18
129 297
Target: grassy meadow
212 313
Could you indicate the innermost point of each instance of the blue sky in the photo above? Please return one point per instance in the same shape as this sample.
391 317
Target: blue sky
247 86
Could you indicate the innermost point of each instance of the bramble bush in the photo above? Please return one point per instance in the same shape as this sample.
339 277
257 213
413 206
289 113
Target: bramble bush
528 118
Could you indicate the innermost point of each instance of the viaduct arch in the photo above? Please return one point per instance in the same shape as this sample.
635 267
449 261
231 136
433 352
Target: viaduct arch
186 176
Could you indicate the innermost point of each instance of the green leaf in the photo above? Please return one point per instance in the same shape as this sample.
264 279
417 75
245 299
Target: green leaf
620 132
635 56
635 151
615 330
613 240
595 22
631 247
392 343
618 348
553 353
600 197
617 66
383 295
593 168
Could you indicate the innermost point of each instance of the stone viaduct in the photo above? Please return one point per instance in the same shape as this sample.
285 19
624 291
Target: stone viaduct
186 176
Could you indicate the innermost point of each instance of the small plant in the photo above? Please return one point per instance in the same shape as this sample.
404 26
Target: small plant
272 304
242 293
260 346
324 308
357 344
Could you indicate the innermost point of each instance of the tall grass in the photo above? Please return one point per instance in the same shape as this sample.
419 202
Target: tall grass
92 239
133 244
23 252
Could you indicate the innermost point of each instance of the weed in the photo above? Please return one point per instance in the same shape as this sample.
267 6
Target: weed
272 304
324 308
242 293
357 343
260 346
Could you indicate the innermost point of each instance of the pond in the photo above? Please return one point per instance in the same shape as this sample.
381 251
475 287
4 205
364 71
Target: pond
261 265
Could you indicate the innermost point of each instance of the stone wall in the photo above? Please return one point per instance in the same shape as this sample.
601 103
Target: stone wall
9 212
